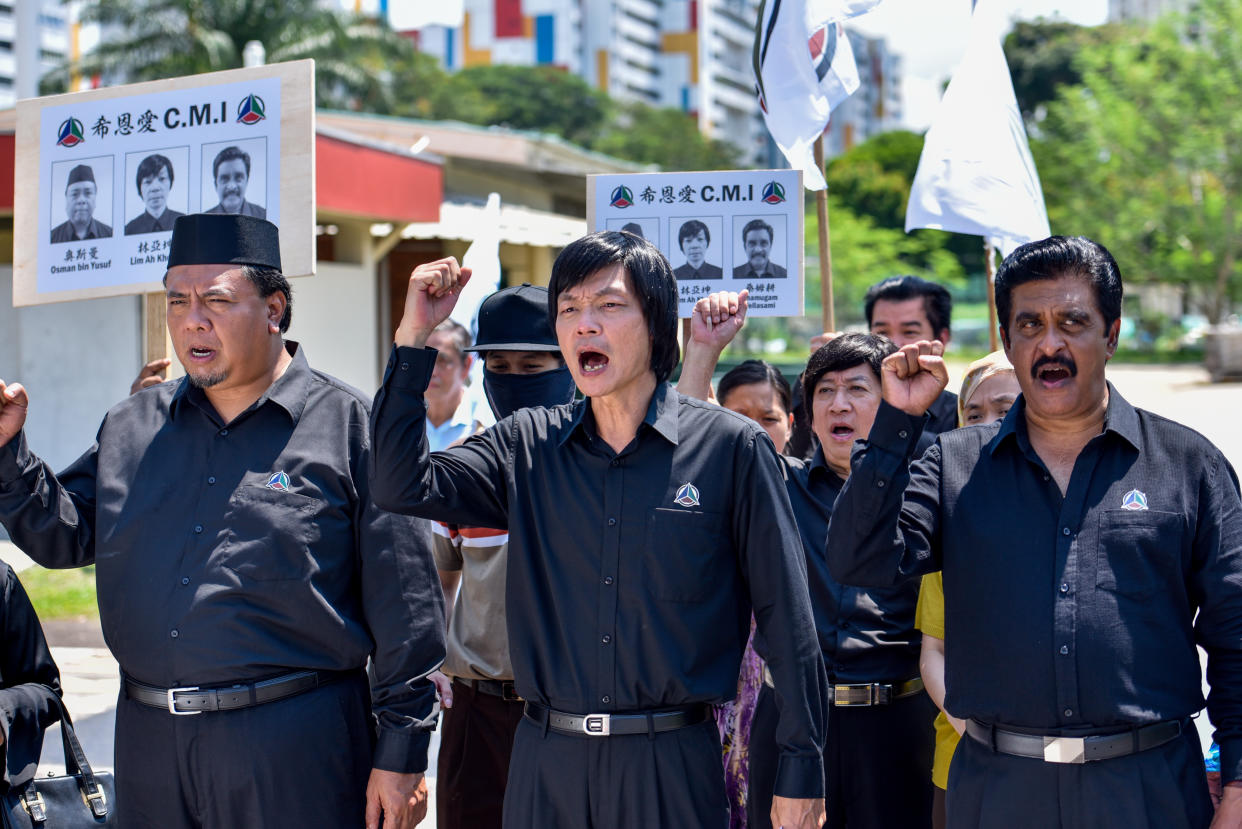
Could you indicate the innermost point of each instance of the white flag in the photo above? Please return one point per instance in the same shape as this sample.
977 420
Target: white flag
804 67
483 258
976 174
407 15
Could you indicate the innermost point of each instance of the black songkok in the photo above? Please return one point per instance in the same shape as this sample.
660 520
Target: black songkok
224 239
82 172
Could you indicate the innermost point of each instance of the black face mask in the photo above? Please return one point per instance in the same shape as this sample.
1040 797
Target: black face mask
506 393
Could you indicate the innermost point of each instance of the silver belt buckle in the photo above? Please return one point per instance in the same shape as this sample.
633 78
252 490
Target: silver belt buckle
1065 750
172 702
597 725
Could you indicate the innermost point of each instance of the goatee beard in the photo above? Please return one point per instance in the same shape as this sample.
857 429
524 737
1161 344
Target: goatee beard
206 381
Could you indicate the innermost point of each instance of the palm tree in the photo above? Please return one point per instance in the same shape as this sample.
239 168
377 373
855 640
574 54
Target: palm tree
151 39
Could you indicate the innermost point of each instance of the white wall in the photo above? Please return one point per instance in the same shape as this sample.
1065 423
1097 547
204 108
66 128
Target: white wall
336 319
77 360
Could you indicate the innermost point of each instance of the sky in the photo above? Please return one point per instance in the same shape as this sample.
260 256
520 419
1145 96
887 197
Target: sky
930 37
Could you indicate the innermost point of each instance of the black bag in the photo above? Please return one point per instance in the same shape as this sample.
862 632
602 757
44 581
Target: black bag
80 799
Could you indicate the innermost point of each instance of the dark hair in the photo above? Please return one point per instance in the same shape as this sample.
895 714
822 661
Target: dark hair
758 224
1053 258
756 371
635 228
691 229
649 274
150 168
937 303
458 332
230 154
840 353
268 281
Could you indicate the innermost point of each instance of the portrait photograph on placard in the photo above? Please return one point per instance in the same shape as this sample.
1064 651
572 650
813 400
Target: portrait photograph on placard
157 189
234 178
647 227
759 247
696 247
81 200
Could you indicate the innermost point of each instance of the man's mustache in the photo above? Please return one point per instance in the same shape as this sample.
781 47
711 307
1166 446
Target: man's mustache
1066 363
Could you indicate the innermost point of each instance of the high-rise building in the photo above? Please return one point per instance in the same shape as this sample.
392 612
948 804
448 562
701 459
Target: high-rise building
1120 11
54 35
692 55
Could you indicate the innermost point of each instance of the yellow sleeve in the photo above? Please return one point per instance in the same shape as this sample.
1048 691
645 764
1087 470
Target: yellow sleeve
929 615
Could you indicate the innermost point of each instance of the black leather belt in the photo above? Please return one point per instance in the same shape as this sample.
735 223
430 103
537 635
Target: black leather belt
1074 749
192 700
502 688
605 725
864 693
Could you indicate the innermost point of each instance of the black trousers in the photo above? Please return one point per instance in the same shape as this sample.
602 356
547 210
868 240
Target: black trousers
476 742
670 779
877 764
297 762
1162 788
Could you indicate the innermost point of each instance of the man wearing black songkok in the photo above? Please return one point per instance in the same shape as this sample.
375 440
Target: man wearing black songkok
244 574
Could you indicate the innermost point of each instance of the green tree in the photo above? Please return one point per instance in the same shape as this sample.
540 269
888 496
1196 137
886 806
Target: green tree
168 38
1143 156
541 98
667 137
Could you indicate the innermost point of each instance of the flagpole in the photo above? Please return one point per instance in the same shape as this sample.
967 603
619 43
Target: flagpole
989 269
825 252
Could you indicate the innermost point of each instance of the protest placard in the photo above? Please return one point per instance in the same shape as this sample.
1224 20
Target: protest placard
721 231
101 176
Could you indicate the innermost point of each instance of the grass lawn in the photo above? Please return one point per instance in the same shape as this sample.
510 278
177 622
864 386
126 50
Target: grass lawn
61 594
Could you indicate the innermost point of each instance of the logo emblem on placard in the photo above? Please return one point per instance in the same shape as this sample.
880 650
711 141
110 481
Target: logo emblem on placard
71 133
279 482
251 110
773 192
1134 500
622 197
687 495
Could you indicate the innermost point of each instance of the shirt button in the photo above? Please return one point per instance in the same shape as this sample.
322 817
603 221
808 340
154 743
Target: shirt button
1064 650
880 484
605 639
405 366
1065 531
607 579
224 433
198 528
614 462
175 633
1064 587
903 434
605 699
612 522
185 580
1069 712
211 480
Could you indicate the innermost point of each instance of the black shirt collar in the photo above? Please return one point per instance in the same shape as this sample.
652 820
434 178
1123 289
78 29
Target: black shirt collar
1121 419
661 415
289 391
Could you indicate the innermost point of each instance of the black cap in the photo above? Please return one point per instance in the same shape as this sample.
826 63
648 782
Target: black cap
82 172
515 319
224 239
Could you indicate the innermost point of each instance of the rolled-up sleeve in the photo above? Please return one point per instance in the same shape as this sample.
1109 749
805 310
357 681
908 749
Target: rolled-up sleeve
775 566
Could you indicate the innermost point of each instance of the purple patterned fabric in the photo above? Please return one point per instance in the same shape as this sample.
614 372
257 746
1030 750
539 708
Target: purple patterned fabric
733 719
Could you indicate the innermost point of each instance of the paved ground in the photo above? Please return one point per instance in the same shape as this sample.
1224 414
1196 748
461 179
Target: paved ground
90 674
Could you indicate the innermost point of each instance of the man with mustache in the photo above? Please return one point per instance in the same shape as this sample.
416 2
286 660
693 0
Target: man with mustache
231 173
1086 546
80 192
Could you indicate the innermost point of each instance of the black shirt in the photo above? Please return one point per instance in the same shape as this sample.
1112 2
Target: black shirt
631 575
231 552
29 683
865 634
1062 612
146 223
95 229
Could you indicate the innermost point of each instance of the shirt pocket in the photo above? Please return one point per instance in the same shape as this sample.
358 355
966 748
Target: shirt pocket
680 551
1138 552
269 534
